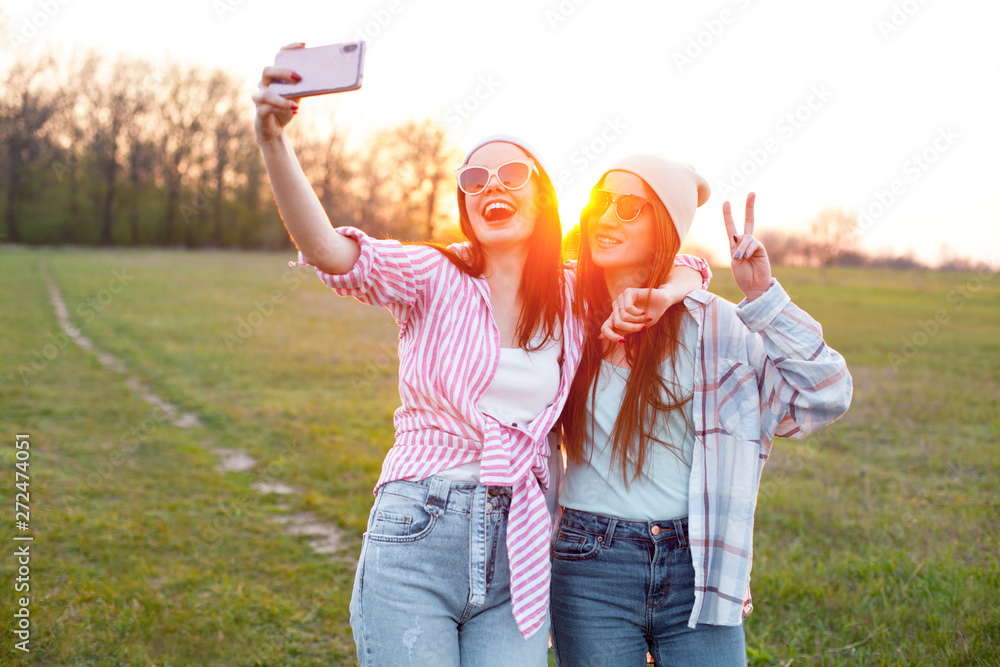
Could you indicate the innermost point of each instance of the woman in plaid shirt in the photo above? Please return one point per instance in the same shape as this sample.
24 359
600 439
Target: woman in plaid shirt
667 435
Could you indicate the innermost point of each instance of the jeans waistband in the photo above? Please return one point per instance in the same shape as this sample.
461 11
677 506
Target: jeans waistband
670 532
446 494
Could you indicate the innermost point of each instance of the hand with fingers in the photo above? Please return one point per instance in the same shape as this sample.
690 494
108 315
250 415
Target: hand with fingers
274 112
633 310
751 266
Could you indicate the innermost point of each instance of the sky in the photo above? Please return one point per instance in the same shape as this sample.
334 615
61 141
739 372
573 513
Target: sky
887 108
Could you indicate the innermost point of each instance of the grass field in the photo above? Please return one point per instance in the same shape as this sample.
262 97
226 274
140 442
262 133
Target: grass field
876 539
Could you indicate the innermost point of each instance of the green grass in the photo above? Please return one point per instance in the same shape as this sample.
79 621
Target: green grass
876 538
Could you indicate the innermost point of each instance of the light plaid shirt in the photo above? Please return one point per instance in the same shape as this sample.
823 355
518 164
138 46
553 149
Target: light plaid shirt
449 349
762 370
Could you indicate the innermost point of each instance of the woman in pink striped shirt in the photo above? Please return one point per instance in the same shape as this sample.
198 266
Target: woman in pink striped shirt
454 567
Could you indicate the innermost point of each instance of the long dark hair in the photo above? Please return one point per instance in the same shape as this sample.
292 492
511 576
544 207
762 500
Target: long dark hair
541 280
646 393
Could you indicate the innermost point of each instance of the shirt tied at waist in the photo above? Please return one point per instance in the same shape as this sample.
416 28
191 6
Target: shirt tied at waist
510 457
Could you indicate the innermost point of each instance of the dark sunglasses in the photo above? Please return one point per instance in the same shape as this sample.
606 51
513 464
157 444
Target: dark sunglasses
627 207
513 175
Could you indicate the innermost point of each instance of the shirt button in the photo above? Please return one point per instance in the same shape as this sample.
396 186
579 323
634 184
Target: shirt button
655 530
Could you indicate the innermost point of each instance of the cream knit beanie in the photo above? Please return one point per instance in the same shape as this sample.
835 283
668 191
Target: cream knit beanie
507 139
681 189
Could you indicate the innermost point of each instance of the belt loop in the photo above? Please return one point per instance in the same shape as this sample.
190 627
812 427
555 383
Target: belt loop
680 533
437 495
610 532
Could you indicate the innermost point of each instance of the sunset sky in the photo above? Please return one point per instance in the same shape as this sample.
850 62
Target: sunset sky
886 107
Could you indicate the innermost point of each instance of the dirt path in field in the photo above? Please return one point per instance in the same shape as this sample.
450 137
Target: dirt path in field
111 362
327 539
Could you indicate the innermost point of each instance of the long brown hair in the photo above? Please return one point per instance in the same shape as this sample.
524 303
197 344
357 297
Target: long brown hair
646 393
541 281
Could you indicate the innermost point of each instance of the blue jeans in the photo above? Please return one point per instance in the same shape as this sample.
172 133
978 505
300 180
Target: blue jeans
622 588
433 581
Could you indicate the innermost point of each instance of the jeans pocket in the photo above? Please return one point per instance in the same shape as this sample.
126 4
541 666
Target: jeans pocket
399 519
573 544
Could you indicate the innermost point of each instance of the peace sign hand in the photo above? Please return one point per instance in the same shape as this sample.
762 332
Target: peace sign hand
751 267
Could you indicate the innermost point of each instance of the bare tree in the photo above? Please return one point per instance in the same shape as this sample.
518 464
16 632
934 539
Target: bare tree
73 136
832 233
786 248
119 99
330 168
426 161
227 127
181 108
28 104
373 198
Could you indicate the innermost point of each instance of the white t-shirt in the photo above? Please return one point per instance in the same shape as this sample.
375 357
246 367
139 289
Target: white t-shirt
525 384
661 491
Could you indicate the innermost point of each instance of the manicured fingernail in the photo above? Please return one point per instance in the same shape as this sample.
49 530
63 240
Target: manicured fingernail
649 319
295 107
296 78
621 340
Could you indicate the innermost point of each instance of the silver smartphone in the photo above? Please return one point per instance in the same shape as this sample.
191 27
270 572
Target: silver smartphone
334 68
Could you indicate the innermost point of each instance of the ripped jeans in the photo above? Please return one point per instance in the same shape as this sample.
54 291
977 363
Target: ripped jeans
433 580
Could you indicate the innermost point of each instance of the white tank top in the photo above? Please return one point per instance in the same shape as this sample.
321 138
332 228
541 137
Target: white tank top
525 384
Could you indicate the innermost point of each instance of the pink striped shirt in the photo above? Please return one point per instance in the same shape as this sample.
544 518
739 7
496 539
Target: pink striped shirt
449 349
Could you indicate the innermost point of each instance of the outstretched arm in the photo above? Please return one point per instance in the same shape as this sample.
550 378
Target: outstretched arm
300 208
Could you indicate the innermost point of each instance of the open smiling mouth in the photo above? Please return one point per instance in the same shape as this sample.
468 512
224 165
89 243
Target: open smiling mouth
498 211
606 240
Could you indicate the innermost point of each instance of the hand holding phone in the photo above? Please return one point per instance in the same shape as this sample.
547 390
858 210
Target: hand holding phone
333 68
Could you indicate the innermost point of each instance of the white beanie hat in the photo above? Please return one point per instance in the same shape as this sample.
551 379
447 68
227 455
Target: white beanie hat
507 139
681 189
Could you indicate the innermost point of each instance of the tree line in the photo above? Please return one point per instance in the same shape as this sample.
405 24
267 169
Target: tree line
115 151
108 151
833 238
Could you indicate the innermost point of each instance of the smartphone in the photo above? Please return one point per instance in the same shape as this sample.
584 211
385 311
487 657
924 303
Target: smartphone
333 68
